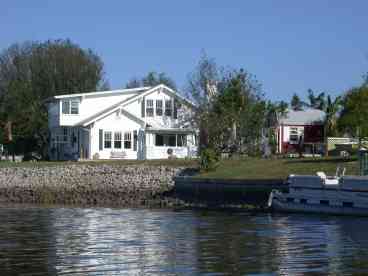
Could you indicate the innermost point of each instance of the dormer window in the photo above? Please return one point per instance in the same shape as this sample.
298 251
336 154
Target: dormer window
70 107
158 107
168 108
149 108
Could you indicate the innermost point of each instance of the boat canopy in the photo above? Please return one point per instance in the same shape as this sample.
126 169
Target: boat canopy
355 183
307 181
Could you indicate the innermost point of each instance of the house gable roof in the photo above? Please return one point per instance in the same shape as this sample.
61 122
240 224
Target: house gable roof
167 90
105 93
125 102
303 117
107 111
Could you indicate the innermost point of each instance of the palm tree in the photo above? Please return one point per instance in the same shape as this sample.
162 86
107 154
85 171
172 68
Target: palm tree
332 109
317 102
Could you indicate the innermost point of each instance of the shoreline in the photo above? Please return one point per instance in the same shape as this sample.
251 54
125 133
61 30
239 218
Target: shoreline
110 186
90 185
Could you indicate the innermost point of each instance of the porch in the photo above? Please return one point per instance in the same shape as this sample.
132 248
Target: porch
170 143
69 143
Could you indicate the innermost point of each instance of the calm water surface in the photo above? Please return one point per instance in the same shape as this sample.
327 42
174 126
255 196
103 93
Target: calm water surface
102 241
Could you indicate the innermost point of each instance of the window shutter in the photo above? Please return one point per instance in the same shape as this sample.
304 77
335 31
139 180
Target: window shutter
100 139
175 108
135 140
143 106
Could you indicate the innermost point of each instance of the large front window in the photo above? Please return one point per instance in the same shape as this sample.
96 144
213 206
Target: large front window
127 140
117 140
107 139
182 140
170 140
70 107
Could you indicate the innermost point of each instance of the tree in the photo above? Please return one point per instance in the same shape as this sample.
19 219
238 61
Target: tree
32 72
332 110
229 106
202 88
317 102
296 103
354 114
152 79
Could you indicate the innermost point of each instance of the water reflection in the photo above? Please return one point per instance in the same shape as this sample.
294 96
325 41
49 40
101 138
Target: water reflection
63 241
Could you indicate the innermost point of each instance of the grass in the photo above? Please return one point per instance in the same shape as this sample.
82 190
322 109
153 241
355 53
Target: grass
256 168
249 168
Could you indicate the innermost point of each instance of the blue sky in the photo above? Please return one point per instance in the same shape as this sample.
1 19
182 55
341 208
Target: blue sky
289 45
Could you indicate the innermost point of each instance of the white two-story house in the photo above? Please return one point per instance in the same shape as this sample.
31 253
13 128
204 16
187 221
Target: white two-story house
140 123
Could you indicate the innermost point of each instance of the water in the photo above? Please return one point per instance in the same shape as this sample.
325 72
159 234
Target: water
102 241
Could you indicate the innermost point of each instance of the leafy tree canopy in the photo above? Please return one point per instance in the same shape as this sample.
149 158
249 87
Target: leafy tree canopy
354 114
152 79
31 72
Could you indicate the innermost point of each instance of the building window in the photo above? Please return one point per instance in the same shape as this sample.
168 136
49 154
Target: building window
66 107
127 140
107 139
159 141
70 107
168 108
165 140
149 108
182 140
158 107
117 140
74 107
324 202
294 136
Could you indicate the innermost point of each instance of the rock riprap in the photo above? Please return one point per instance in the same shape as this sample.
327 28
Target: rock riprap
83 184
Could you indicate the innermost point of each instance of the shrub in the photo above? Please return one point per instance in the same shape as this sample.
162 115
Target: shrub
209 160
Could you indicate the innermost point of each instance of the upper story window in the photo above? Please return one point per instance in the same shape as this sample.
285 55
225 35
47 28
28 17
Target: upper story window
168 108
159 107
70 106
149 108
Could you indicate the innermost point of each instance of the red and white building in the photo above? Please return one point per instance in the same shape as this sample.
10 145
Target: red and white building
301 131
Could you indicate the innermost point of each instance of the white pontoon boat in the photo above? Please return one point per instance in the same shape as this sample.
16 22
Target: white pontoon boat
342 195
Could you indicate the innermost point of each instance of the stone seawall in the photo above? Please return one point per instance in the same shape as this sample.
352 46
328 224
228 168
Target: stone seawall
83 184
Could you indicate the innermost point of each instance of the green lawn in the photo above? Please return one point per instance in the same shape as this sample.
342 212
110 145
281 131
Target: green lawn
252 168
249 168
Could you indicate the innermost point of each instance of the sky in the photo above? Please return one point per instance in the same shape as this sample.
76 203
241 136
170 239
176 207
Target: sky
288 45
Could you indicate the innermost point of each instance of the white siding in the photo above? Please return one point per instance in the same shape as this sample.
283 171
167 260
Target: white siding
114 123
90 105
93 104
160 152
